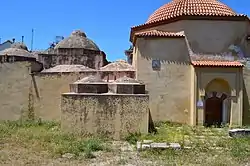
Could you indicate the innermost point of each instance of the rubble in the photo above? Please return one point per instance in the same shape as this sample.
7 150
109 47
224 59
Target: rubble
239 133
149 144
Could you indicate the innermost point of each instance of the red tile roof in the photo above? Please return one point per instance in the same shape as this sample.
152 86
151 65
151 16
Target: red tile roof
157 33
189 10
217 63
190 7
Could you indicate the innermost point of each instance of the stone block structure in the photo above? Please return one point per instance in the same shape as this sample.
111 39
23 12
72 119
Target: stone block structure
88 111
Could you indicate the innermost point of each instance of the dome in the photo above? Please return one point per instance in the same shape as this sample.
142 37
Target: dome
190 7
77 39
19 45
17 49
90 79
67 68
119 65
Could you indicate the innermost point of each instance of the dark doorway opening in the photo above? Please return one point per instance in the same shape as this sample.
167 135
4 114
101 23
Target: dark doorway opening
213 111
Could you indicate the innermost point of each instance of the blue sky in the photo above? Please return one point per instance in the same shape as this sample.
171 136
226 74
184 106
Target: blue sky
107 22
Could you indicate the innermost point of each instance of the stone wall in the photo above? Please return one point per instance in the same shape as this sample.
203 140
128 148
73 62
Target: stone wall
114 115
90 58
113 75
168 84
15 86
48 88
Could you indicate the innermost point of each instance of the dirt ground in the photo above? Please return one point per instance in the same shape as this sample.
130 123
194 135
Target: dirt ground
122 154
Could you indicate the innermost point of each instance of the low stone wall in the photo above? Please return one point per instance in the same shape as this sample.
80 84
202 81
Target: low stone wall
114 115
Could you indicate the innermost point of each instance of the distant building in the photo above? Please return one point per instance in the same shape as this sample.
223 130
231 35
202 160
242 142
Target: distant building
6 44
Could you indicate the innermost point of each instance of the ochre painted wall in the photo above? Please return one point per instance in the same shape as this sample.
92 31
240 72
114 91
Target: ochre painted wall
110 114
15 83
169 88
211 36
49 88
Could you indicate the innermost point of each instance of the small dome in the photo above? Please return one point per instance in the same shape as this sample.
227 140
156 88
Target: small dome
119 65
67 68
19 45
77 39
190 7
17 49
90 79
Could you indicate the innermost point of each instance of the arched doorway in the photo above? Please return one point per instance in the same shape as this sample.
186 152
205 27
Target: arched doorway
217 111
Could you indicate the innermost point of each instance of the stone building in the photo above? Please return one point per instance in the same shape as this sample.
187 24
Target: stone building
77 49
193 57
115 109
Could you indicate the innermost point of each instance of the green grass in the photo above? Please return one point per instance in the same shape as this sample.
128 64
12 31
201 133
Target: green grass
46 136
209 146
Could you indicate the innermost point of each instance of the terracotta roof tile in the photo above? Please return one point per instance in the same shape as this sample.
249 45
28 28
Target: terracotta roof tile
180 8
157 33
191 7
217 63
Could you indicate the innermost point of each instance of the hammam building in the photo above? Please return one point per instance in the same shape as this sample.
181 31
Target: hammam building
189 63
193 57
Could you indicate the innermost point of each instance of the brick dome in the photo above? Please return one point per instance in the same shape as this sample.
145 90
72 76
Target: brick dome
190 7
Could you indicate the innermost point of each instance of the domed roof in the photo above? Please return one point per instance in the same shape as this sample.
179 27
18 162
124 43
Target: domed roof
190 7
90 79
19 45
67 68
77 39
119 65
17 49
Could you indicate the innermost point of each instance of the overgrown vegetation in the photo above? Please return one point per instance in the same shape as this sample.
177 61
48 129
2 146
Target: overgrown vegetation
202 146
47 136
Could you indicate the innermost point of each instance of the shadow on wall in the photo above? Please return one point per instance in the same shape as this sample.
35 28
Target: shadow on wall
151 126
166 50
35 86
246 107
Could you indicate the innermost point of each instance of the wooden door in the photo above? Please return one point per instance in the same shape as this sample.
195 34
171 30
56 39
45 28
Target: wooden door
213 111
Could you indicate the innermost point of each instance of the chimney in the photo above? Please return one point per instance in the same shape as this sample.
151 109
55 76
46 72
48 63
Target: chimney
22 38
13 40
